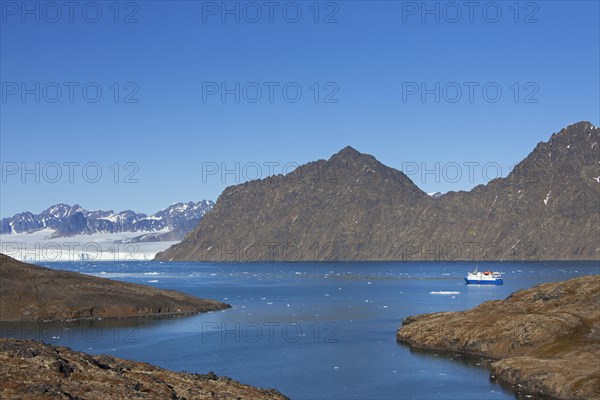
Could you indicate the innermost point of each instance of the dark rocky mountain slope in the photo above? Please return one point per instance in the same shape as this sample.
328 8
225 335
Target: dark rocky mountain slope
352 207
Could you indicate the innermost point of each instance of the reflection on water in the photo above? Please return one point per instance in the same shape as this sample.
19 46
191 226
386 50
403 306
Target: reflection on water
313 331
465 359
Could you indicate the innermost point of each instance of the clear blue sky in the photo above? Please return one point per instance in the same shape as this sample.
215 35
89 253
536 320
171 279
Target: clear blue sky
370 56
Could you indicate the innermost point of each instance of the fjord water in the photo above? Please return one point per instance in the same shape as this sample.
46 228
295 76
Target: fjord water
310 330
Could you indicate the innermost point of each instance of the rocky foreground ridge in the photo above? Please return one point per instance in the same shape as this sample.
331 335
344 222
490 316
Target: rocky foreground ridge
33 293
33 370
352 207
546 340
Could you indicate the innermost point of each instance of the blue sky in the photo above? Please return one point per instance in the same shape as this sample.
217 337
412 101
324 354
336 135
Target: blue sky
370 62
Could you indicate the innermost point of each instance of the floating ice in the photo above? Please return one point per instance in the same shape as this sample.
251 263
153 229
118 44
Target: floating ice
444 292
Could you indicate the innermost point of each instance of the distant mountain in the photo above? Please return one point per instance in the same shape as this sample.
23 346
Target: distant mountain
352 207
68 221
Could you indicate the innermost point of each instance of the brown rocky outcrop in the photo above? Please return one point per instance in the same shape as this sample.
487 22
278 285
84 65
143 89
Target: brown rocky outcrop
33 293
33 370
545 340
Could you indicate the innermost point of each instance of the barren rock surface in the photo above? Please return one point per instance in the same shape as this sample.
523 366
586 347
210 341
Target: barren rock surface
33 370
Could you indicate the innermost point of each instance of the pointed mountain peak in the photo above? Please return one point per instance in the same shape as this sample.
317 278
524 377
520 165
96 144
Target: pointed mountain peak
347 153
58 206
576 128
580 125
582 132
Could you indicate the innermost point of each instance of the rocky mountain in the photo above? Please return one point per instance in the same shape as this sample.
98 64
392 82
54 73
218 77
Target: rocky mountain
68 220
352 207
547 339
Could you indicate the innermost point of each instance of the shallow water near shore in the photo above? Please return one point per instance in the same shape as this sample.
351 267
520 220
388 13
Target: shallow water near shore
310 330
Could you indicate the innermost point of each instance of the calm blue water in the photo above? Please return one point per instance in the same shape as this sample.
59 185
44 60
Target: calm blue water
312 331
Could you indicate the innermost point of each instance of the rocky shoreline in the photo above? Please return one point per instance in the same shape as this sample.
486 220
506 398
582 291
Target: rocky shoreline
30 369
33 369
545 340
33 293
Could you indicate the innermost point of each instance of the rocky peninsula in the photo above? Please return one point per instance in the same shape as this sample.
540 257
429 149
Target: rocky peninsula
33 293
545 341
30 369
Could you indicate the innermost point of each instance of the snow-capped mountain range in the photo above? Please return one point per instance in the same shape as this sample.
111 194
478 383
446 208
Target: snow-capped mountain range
174 222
